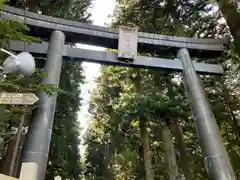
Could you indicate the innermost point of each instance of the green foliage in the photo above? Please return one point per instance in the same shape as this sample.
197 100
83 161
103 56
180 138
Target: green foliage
11 30
69 9
2 4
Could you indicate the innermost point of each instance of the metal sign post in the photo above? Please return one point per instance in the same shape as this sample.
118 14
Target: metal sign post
16 146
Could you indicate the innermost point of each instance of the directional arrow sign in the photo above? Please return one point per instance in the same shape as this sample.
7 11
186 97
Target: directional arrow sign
18 98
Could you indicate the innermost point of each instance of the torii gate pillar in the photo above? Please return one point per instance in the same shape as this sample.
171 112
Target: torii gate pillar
215 155
37 144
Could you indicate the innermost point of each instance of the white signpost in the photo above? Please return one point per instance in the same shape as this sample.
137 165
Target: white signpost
18 98
28 172
127 42
58 178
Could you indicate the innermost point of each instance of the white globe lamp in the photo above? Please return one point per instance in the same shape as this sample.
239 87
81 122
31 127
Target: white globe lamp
23 63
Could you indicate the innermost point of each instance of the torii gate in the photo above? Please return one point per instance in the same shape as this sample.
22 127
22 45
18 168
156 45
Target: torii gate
37 145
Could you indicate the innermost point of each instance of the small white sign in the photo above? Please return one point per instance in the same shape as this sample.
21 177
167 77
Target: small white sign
127 42
18 98
57 178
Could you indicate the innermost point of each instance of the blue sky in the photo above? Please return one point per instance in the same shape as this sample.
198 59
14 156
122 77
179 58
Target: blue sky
100 10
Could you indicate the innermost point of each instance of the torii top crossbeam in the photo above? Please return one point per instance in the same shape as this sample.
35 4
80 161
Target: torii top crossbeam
77 32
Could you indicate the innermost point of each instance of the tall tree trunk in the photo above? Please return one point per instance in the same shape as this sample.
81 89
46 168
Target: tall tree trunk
232 16
184 162
68 7
170 157
146 150
32 5
228 106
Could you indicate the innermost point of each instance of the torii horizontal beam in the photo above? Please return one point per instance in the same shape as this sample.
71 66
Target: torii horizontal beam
77 32
110 58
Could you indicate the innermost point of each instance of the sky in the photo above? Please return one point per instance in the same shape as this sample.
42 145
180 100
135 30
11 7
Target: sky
100 10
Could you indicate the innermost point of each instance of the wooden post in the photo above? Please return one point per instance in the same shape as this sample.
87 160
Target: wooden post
16 146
